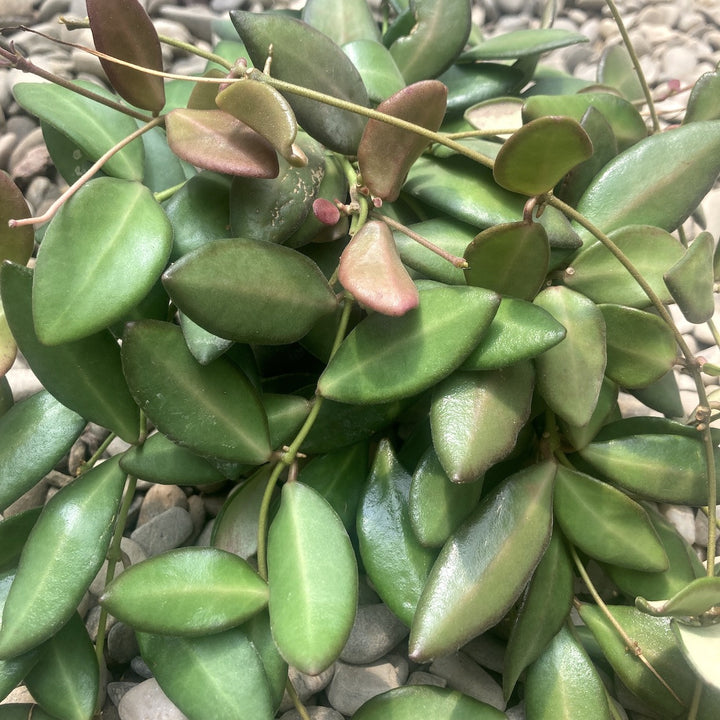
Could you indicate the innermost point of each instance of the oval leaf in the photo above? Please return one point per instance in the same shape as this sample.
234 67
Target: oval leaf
701 646
521 43
698 597
313 580
16 244
376 66
372 364
212 409
690 280
423 103
61 557
536 157
88 277
703 101
342 22
122 29
370 268
282 296
484 566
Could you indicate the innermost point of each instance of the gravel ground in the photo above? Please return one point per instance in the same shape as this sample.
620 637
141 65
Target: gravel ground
677 41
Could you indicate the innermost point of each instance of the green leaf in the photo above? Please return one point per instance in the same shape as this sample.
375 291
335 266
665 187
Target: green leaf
188 592
519 331
85 375
666 468
283 293
8 353
88 277
605 523
700 646
393 558
691 280
163 169
414 701
221 671
61 557
211 409
475 83
522 43
499 115
95 128
123 30
696 598
703 102
259 633
438 35
563 684
511 259
484 566
476 417
422 103
34 436
342 22
580 435
616 69
203 345
570 375
371 270
160 460
16 244
313 582
14 531
376 66
544 608
387 358
463 190
286 415
214 140
66 679
537 156
436 505
597 273
23 711
659 181
305 56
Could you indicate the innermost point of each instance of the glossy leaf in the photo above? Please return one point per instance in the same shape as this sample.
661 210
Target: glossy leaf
626 122
61 557
259 633
8 347
628 190
160 460
703 102
88 277
16 244
211 409
536 157
500 115
222 671
698 597
14 531
616 69
690 280
422 103
85 375
286 415
188 592
34 435
313 582
123 30
342 22
569 375
700 647
93 127
214 140
463 190
266 111
371 270
436 505
595 272
413 701
66 679
521 43
520 330
371 365
476 417
307 57
376 66
563 684
605 523
393 558
544 608
439 33
666 468
476 83
484 566
511 259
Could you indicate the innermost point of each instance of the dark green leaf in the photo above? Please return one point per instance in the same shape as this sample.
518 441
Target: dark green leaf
690 280
522 43
14 531
376 66
476 82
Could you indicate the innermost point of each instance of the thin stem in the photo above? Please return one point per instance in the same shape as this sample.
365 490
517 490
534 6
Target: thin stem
631 644
297 702
713 329
481 133
50 212
636 64
90 462
458 262
695 702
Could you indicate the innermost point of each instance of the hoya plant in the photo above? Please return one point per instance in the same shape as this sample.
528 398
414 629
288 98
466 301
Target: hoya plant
383 281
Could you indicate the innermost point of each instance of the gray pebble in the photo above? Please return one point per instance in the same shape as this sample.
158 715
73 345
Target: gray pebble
116 691
147 700
354 685
164 532
35 497
196 19
50 8
487 651
196 508
139 667
420 677
134 553
8 141
203 539
14 11
92 622
305 685
375 632
516 713
122 645
316 712
464 674
682 518
160 498
34 161
23 383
